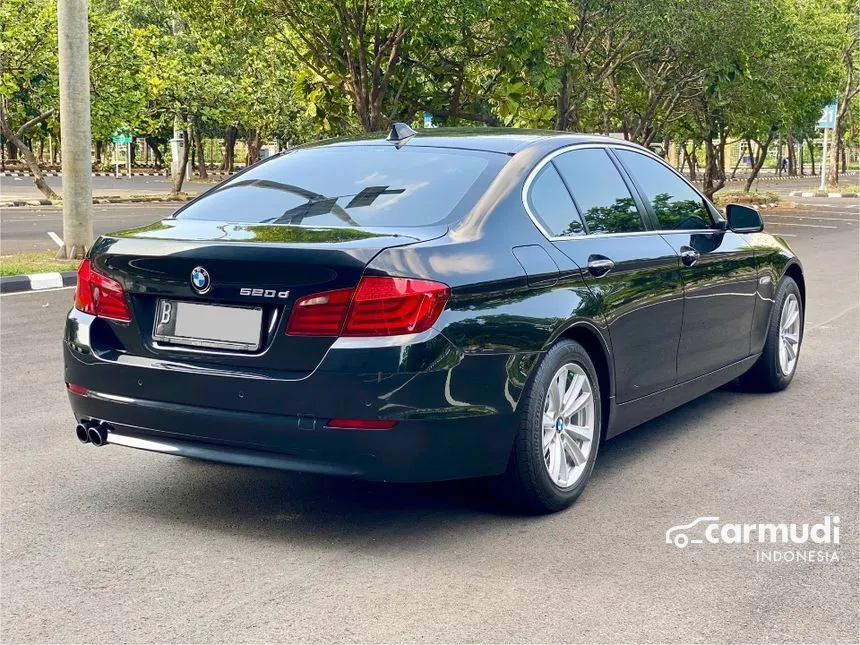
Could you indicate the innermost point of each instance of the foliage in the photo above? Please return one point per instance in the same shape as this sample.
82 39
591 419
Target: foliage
295 70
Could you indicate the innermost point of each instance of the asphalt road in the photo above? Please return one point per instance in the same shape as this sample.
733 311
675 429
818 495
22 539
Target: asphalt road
26 228
118 545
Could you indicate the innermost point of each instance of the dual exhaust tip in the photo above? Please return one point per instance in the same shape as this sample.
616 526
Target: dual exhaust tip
94 432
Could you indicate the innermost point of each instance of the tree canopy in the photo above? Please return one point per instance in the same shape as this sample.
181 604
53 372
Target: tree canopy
295 70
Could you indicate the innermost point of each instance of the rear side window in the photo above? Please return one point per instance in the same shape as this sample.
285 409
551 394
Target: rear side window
675 203
352 185
601 195
550 201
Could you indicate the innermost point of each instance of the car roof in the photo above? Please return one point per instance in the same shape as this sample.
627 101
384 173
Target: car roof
502 140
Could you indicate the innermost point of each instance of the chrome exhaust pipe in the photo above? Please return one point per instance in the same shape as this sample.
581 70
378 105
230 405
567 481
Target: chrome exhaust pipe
98 434
81 433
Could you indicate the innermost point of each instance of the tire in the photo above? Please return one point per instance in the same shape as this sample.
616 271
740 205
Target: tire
769 373
529 481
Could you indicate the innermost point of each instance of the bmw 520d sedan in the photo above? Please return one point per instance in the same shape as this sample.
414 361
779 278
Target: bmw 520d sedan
426 307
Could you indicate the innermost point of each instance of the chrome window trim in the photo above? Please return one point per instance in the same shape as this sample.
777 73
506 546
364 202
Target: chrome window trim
533 173
664 163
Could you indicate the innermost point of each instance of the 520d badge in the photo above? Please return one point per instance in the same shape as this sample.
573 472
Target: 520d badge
263 293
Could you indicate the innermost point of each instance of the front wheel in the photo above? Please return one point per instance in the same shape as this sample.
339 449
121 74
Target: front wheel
559 434
777 364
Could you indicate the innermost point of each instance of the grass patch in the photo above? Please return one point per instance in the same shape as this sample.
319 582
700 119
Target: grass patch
850 188
738 197
34 262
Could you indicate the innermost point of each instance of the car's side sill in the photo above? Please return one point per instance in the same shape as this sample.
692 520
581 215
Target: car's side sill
624 416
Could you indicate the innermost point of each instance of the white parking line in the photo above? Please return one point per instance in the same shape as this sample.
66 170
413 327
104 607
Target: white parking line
825 219
803 225
32 291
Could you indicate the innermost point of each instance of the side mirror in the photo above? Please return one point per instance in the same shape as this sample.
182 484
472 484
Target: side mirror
743 219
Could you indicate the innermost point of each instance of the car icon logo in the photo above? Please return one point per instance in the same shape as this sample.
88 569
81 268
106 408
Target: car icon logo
200 280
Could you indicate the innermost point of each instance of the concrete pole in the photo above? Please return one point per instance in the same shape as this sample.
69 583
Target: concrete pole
74 60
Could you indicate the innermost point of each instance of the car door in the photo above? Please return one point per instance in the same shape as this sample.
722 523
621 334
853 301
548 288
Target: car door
718 266
582 203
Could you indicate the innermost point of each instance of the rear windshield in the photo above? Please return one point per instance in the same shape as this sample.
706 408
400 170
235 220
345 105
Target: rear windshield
353 185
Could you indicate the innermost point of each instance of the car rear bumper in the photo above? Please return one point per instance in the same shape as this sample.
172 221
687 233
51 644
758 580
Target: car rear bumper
455 418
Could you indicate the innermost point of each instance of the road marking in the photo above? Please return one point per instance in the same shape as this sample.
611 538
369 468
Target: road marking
31 292
57 240
836 317
803 225
823 219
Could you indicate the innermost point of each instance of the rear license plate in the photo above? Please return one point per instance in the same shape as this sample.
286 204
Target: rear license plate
216 326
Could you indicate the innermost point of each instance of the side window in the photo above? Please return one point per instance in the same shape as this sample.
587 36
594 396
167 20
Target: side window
676 205
550 201
600 193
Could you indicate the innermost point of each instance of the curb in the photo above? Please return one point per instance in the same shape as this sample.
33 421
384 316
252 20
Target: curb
37 281
821 193
96 200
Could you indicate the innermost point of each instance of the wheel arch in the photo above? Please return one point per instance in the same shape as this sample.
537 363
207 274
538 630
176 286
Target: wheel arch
594 343
795 272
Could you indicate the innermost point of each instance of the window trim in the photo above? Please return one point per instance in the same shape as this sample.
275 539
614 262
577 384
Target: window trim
627 180
647 203
570 148
537 218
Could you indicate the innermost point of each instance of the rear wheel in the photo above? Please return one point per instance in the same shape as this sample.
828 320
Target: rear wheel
559 434
777 364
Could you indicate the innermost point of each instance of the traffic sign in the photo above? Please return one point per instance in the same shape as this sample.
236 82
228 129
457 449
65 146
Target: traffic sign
828 116
122 136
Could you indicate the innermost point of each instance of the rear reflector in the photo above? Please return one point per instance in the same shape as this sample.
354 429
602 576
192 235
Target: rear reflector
100 296
77 389
361 424
379 306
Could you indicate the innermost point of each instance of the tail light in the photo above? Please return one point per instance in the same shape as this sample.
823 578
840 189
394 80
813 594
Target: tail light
100 296
379 306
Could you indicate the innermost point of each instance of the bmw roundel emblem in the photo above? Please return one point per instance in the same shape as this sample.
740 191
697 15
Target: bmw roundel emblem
200 280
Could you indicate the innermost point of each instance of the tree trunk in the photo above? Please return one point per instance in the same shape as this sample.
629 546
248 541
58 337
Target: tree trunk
153 145
800 150
758 160
132 152
811 145
844 160
792 158
254 143
11 151
99 145
179 177
228 162
833 155
714 176
29 158
562 104
198 142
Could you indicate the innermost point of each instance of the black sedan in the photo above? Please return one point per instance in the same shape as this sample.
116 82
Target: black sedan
429 306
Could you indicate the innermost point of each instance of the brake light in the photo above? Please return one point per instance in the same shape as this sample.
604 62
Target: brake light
390 306
379 306
100 296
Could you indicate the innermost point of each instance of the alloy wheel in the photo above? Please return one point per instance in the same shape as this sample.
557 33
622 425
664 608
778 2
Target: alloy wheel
568 432
789 334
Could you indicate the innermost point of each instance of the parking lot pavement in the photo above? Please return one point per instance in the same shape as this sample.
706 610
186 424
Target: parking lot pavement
118 545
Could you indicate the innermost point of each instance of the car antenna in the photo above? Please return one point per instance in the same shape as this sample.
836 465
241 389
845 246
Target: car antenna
399 134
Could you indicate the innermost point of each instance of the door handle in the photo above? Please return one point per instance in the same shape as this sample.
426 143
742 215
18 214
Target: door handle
689 255
599 265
